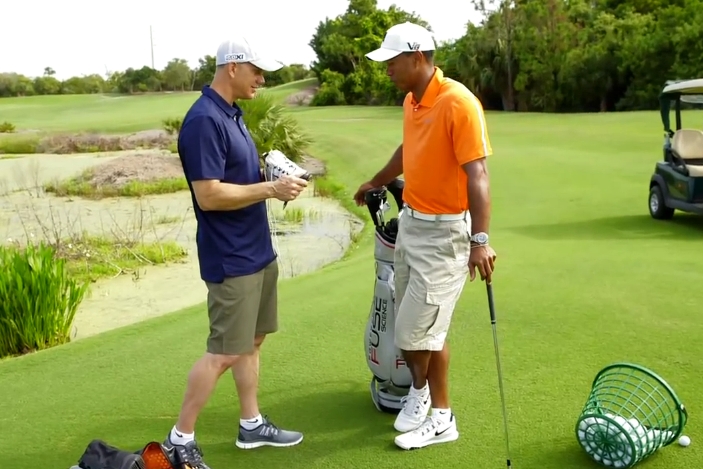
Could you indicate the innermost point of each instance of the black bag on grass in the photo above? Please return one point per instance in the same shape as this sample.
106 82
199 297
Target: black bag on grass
100 455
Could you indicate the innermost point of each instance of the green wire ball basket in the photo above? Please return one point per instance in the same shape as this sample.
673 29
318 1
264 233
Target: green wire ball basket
630 414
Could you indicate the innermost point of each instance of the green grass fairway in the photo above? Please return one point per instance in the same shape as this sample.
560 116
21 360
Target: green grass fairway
584 278
108 113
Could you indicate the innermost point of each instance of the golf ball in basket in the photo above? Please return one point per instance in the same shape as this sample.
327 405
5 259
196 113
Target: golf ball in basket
684 441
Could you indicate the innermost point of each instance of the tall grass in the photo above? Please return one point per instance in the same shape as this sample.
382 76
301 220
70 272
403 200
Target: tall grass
38 299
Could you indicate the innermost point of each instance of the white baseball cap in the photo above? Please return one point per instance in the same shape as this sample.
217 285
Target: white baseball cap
240 50
403 37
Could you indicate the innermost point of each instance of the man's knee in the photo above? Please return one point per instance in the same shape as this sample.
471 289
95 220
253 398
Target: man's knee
219 362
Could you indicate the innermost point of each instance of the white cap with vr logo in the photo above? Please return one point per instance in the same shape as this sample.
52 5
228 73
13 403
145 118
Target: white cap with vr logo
404 37
241 50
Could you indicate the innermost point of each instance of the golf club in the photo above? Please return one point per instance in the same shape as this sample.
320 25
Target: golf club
375 199
491 309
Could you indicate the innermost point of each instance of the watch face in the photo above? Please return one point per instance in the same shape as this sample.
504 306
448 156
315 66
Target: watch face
481 238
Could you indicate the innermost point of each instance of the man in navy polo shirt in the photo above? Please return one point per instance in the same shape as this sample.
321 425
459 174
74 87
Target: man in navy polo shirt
237 260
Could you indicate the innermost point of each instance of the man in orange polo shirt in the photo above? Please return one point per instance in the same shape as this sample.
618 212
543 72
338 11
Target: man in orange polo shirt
443 228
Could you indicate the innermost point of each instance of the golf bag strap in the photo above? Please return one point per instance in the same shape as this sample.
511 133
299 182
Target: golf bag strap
434 217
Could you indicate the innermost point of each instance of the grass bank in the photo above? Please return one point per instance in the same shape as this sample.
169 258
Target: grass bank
92 258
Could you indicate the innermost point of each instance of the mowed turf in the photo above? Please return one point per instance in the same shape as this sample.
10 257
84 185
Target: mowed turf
584 278
108 113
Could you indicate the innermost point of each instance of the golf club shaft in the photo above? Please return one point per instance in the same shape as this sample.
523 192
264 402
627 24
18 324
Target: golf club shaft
492 310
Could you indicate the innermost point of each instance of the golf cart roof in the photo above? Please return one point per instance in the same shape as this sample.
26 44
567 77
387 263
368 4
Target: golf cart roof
677 88
686 91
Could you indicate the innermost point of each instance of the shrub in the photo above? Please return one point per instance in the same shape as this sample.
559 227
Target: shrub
173 125
330 92
19 144
272 127
38 299
7 127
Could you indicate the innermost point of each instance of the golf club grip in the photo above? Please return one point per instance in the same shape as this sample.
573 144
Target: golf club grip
491 303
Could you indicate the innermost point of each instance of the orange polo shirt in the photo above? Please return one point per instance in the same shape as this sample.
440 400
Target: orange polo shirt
445 130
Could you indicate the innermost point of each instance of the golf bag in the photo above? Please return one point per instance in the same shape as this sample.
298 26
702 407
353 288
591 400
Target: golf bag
391 377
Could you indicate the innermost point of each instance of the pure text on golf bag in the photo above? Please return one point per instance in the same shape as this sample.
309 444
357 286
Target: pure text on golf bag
391 377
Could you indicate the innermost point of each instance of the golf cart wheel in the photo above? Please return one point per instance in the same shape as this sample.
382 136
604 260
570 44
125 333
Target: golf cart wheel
657 207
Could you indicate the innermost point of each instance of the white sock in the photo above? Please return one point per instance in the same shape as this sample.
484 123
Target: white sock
250 424
443 415
416 392
179 438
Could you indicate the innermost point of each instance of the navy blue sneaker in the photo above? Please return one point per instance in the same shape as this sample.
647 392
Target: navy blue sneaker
267 434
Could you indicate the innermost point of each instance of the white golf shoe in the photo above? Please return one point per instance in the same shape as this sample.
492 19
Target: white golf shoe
430 432
415 407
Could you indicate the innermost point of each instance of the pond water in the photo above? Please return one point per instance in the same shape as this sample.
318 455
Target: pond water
310 233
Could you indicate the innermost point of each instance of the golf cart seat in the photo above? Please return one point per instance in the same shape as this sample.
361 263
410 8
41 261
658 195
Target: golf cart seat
688 144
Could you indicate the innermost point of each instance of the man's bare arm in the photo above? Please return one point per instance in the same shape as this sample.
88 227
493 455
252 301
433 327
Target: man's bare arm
479 195
392 170
213 195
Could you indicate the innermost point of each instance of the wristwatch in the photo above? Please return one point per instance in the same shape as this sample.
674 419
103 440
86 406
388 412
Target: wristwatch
479 238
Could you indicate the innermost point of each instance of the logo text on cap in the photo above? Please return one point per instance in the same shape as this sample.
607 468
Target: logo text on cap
413 46
234 57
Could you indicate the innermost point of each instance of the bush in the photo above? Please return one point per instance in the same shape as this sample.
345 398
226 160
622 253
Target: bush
272 127
330 92
173 125
19 144
38 299
7 127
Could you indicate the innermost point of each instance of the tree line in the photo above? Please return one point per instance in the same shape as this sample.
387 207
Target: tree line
524 55
528 55
177 75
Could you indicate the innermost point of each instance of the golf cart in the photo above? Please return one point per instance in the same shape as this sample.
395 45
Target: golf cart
677 182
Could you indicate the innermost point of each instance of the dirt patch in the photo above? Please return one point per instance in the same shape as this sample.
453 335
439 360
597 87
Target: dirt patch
91 143
303 97
148 135
313 166
136 167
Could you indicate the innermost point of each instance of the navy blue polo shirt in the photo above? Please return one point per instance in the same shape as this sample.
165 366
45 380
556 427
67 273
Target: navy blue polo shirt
214 143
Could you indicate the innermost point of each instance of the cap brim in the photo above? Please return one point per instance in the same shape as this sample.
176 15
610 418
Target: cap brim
381 54
267 65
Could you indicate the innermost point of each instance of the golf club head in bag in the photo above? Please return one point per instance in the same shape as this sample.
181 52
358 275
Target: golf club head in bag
276 165
391 378
377 204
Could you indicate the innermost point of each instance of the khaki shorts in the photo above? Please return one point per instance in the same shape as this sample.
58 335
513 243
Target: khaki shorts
431 267
242 308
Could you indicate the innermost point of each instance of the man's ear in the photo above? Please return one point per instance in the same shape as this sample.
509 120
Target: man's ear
418 58
232 70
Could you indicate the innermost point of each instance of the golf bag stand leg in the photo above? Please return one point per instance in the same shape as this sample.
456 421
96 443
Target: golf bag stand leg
391 378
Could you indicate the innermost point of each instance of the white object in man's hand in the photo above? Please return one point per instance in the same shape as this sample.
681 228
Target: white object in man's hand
276 165
287 188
